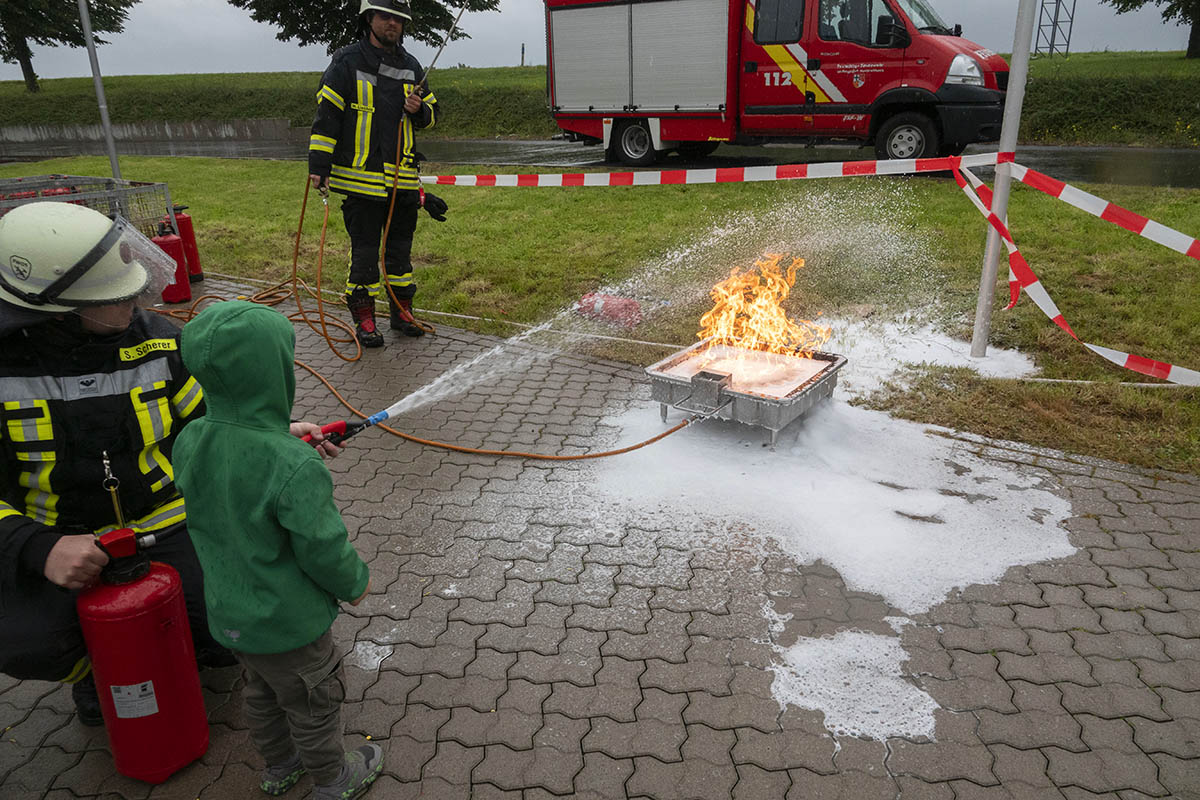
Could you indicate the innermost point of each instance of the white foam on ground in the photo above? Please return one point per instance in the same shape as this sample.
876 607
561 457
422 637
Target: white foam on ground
368 655
855 679
895 510
878 350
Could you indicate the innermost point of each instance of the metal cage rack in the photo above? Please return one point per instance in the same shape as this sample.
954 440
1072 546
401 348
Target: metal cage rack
147 205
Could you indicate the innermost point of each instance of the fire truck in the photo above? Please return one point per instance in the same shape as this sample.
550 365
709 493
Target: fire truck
647 77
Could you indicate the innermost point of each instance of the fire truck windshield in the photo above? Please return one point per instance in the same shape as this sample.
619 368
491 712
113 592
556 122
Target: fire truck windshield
923 16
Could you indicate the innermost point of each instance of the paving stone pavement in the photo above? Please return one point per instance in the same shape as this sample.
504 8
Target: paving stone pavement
515 646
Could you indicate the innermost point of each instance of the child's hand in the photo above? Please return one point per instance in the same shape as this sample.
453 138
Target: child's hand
366 592
324 448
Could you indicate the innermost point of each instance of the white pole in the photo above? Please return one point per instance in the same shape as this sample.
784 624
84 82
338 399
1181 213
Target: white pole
86 19
1018 74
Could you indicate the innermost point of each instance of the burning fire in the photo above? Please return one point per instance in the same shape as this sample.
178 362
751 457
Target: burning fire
748 311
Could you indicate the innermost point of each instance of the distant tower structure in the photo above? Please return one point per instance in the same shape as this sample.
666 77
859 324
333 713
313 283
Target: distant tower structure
1054 27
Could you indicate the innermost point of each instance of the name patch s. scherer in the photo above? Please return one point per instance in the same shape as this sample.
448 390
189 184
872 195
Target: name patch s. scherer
147 347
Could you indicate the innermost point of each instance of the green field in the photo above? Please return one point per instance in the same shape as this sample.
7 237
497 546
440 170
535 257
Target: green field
878 247
1145 99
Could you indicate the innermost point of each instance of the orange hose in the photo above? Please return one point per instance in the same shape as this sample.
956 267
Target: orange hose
274 295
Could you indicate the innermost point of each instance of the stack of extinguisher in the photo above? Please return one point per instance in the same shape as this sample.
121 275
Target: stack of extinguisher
182 248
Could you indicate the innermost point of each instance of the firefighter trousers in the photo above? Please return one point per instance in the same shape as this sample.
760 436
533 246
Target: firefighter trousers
40 637
365 219
293 702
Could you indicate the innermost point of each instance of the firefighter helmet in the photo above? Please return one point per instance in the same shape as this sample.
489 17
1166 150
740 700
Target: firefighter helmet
396 7
57 257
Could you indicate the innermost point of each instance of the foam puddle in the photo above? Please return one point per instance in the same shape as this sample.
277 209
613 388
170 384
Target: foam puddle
855 679
898 511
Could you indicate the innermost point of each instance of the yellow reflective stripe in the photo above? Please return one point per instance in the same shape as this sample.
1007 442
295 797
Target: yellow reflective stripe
326 93
187 398
400 280
363 176
373 289
149 459
165 516
154 418
362 125
356 187
80 671
40 501
33 429
7 511
313 144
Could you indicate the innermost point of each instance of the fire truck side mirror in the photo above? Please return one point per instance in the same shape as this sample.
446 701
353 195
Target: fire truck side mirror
890 32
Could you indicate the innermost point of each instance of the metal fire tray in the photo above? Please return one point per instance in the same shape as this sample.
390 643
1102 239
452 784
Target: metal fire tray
708 392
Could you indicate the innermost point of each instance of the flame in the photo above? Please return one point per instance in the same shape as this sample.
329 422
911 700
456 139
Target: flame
748 311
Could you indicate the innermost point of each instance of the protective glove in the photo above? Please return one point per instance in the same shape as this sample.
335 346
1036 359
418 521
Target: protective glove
436 207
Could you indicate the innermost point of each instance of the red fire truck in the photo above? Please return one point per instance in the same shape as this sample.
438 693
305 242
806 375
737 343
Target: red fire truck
650 76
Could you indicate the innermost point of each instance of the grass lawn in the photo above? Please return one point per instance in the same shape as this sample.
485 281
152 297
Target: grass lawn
889 245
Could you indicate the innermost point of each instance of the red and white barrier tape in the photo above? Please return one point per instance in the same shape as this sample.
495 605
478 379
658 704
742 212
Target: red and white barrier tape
678 177
1021 275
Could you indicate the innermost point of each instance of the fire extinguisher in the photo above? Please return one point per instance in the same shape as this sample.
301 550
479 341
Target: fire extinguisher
608 308
136 629
187 232
181 290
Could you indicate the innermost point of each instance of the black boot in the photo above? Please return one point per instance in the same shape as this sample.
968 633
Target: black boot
362 310
400 323
87 702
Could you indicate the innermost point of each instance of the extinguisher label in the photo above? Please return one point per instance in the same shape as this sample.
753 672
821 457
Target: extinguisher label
137 700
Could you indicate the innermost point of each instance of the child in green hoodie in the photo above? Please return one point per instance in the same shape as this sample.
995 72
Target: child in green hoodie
275 551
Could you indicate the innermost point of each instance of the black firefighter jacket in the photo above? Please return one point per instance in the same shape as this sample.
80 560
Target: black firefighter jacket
360 114
66 398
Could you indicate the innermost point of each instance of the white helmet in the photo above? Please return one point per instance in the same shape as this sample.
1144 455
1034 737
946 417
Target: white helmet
396 7
57 257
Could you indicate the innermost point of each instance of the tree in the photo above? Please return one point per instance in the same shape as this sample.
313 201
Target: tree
334 23
52 22
1185 11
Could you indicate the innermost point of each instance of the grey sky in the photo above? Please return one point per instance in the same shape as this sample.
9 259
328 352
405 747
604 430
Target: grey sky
180 36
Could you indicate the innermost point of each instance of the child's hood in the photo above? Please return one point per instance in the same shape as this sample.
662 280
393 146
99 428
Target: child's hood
241 353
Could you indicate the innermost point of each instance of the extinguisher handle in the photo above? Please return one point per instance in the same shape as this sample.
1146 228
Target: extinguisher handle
330 431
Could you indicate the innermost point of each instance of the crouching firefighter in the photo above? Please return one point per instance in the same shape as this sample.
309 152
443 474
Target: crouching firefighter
88 382
369 102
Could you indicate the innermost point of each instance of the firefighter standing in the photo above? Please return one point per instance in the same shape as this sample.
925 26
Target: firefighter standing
85 377
368 99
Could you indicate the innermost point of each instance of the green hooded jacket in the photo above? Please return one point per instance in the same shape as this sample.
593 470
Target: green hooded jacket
261 514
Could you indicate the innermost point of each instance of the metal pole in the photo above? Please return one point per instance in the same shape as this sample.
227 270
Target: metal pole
86 19
1054 30
1018 74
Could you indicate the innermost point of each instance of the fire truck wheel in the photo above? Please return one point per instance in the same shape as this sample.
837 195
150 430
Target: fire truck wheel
634 146
906 135
696 150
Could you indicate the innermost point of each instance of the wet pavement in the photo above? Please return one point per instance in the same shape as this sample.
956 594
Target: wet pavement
524 641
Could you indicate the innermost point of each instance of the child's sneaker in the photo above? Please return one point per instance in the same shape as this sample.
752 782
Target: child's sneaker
277 780
361 768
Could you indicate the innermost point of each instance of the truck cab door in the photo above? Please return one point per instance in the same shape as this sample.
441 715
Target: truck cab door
859 49
776 93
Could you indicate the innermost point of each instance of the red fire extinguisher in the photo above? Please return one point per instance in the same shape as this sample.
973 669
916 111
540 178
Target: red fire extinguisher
608 308
136 628
187 232
181 290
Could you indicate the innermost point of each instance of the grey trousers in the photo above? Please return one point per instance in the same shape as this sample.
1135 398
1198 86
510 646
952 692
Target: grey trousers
293 702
